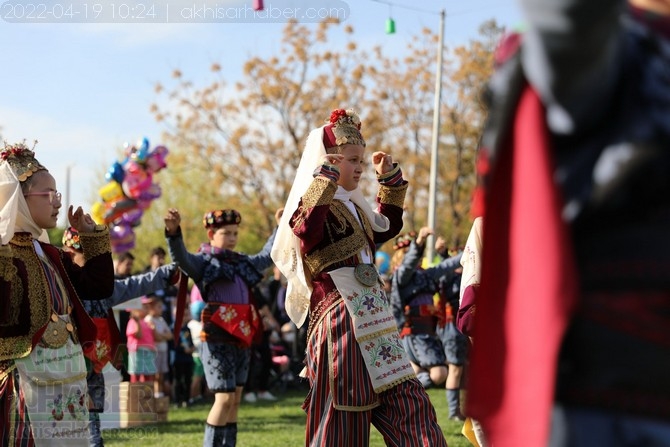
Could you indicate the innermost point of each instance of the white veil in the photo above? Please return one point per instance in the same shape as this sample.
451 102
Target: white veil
14 212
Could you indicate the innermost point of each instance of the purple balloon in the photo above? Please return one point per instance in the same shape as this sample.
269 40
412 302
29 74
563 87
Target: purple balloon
122 238
132 217
150 193
120 248
121 233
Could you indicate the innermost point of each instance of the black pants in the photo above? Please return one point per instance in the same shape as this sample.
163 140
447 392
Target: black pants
183 372
260 366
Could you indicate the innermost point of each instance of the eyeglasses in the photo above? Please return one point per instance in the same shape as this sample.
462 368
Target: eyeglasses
54 196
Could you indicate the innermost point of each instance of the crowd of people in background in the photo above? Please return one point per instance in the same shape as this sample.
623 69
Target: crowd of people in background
423 298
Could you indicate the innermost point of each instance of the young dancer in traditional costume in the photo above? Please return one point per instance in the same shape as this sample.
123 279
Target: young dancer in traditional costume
358 371
43 325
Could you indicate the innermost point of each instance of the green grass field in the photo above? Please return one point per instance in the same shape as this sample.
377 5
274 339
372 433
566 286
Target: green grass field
263 424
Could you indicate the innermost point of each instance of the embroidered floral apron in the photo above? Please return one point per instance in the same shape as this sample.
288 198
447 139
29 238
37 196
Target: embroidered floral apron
53 381
374 328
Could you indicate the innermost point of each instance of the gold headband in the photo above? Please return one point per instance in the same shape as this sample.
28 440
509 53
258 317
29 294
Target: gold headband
21 159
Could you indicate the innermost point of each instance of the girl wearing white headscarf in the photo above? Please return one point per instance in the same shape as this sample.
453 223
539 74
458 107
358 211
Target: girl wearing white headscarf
44 329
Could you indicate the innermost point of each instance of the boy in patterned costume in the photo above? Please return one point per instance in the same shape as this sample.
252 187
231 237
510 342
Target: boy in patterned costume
230 321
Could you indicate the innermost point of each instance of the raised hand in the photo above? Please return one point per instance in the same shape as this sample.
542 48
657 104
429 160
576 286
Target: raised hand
424 232
80 221
172 220
382 161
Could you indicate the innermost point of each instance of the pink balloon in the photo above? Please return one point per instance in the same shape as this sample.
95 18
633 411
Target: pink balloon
156 159
135 182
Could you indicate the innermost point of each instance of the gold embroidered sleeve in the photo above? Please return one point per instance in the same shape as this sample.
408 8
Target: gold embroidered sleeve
393 195
320 192
96 243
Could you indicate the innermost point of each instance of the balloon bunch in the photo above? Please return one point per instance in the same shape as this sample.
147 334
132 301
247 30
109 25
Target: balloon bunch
129 191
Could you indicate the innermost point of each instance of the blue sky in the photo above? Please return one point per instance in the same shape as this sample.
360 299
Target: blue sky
84 89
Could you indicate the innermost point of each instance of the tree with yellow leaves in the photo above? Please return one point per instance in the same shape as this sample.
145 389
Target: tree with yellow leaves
238 146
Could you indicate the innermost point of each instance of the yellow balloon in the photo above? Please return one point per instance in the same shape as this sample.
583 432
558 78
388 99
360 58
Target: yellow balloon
97 213
111 192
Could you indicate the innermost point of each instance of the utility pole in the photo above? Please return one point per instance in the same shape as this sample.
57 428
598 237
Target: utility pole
67 194
432 191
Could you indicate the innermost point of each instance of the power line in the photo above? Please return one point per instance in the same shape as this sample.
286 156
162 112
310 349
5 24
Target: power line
428 11
398 5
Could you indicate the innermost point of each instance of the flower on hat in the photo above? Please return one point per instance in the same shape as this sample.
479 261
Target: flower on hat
21 159
341 116
220 218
